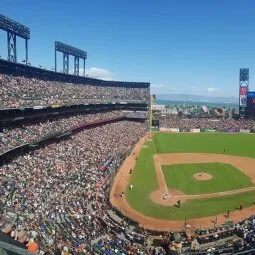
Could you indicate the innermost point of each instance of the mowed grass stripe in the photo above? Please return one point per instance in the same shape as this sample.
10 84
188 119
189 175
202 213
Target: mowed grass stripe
234 144
225 177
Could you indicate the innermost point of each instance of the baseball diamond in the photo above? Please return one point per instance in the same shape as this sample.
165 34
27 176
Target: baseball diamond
188 178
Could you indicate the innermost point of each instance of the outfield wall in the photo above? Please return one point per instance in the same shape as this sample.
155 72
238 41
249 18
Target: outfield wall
207 130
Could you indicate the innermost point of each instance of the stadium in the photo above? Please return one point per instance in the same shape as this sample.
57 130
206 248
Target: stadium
88 166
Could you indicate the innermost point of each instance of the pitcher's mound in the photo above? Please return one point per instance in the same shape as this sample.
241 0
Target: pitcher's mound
202 176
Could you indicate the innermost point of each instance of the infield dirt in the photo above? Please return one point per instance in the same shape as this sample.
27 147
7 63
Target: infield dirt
202 176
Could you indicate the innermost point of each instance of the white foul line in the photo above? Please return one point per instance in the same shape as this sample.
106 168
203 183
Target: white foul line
163 179
161 172
153 145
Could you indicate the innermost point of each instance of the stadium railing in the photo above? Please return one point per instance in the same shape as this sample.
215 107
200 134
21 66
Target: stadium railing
6 248
222 251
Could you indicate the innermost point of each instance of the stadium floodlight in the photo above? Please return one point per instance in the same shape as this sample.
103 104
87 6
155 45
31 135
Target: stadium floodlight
13 30
14 27
73 51
70 50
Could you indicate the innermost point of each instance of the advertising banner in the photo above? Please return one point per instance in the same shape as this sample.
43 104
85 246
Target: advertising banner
232 130
169 129
221 130
243 91
195 130
209 130
243 100
37 107
55 106
164 129
244 130
174 129
184 130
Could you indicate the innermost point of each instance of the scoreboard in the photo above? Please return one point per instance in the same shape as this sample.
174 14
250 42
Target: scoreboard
250 107
155 123
243 91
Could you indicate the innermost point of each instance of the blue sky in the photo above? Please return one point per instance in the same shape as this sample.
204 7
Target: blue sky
179 46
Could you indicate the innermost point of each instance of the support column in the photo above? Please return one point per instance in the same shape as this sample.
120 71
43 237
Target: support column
26 52
12 50
76 65
65 63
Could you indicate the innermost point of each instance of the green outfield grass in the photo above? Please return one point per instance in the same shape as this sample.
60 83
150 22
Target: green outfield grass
237 144
144 177
225 177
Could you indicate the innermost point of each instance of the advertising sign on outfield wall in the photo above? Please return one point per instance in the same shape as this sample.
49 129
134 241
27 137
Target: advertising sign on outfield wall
170 129
244 130
163 129
174 129
209 130
195 130
184 130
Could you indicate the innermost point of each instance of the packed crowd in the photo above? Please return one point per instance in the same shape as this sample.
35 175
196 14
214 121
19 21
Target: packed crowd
20 91
238 237
136 114
173 121
28 132
59 191
55 198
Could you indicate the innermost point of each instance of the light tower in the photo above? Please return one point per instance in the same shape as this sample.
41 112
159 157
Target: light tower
13 30
70 50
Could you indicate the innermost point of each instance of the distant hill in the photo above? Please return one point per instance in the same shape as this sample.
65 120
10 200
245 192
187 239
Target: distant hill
196 98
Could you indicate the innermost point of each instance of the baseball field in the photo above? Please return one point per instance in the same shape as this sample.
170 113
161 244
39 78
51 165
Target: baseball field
207 174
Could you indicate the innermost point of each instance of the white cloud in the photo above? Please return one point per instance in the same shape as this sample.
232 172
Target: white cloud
96 72
213 90
100 73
